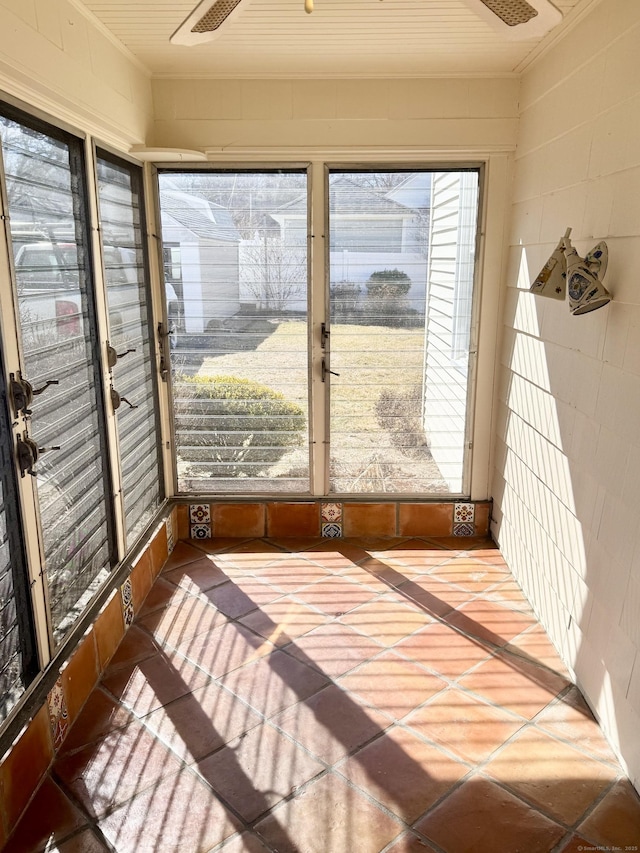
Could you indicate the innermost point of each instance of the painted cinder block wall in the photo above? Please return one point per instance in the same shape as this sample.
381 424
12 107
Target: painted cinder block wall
567 458
567 463
61 61
271 115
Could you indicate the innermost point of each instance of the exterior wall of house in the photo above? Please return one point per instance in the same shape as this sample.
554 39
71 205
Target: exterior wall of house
61 62
567 464
209 276
454 205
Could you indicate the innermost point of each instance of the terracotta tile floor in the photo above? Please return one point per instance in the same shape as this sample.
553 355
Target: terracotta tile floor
346 696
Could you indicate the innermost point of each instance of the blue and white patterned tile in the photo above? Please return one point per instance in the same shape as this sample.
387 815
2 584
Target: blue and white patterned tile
464 512
464 529
199 513
126 591
332 530
201 531
331 512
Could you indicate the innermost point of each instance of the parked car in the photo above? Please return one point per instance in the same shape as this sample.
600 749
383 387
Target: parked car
48 281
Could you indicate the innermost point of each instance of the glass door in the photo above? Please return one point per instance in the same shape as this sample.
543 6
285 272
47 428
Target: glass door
401 266
235 269
386 369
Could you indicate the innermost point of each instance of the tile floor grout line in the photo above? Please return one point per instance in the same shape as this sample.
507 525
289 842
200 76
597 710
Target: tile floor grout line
328 768
443 619
479 767
591 808
266 718
383 650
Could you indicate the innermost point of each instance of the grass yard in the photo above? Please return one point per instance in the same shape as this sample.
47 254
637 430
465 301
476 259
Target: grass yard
377 444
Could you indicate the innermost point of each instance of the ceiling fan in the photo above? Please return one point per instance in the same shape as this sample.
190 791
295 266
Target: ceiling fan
517 19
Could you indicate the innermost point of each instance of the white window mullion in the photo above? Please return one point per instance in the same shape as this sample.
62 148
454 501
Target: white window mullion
318 307
102 320
154 253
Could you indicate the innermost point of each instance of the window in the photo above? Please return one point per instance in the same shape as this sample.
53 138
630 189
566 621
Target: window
133 371
45 190
238 281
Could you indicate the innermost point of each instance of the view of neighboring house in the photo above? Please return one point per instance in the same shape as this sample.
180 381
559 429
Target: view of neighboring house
452 239
214 272
201 259
371 230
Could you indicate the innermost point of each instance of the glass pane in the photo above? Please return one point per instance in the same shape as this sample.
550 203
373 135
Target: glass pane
401 273
123 258
235 262
43 176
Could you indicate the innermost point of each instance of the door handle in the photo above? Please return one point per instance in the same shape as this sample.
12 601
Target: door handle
326 370
28 453
113 356
22 392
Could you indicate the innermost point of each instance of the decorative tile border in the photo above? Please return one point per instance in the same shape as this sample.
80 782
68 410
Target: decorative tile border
126 591
201 531
331 512
199 513
170 537
58 714
464 513
333 519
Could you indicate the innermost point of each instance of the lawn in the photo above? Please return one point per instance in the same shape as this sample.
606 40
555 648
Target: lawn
377 444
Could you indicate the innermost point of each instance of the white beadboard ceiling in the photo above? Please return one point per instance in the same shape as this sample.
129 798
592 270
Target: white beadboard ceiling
342 38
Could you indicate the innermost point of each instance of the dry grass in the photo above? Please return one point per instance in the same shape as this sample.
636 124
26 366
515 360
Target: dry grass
369 359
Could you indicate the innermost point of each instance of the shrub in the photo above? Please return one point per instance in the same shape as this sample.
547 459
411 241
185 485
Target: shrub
344 299
398 411
388 284
240 426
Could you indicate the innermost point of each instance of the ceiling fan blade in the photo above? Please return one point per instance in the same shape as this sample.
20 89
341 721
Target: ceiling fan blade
512 12
203 23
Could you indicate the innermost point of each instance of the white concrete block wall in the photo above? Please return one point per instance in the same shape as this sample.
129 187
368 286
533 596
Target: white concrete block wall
232 114
566 483
60 61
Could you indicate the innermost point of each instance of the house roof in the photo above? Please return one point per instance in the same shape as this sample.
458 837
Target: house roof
204 218
415 191
350 198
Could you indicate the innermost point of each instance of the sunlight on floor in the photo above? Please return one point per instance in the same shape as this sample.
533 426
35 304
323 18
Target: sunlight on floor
335 698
